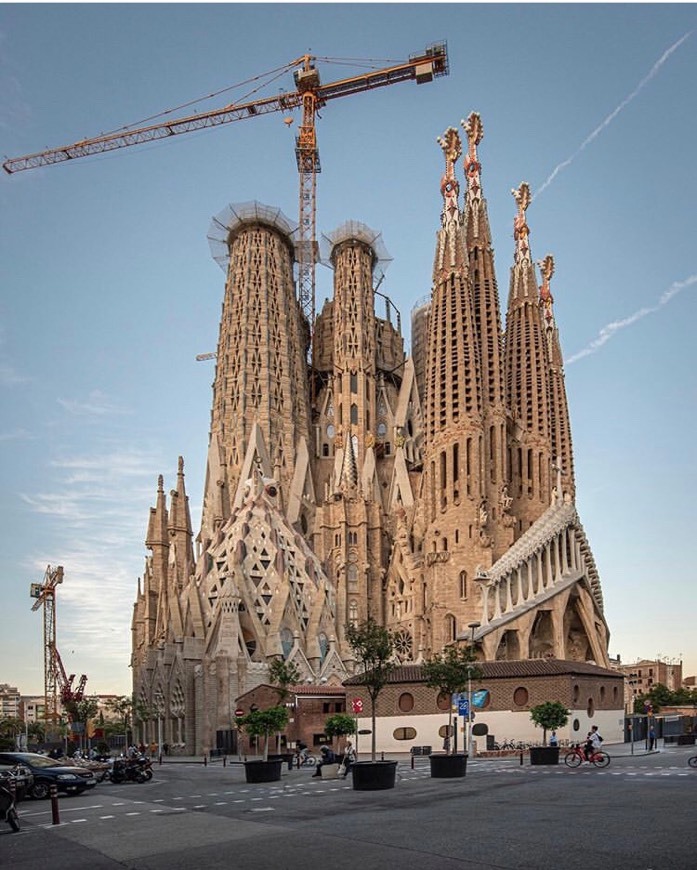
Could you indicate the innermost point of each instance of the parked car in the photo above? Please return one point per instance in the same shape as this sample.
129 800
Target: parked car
22 776
50 771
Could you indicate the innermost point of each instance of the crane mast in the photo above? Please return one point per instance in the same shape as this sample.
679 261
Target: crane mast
310 96
57 684
45 594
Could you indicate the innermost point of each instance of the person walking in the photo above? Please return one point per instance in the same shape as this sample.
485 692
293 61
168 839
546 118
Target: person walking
652 738
348 759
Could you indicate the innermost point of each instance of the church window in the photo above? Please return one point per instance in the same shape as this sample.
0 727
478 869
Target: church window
382 430
353 613
325 450
463 584
450 627
323 641
331 431
286 641
352 577
354 382
354 414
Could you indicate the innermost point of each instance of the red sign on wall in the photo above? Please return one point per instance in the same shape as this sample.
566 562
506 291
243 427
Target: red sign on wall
357 705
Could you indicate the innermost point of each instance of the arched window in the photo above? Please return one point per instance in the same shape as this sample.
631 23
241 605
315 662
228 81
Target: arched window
463 584
286 641
353 613
354 414
450 627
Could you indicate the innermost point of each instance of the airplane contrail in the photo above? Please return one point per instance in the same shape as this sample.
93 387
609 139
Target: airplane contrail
647 78
611 329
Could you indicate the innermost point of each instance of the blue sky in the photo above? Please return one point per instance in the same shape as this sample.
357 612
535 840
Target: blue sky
108 290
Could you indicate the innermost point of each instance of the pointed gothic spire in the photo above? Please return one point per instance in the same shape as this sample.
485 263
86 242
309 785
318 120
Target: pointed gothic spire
450 248
473 196
560 424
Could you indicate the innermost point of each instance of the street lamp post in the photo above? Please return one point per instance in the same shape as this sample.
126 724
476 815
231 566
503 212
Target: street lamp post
632 681
472 626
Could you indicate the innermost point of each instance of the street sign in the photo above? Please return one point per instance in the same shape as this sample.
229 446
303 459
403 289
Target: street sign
357 705
463 707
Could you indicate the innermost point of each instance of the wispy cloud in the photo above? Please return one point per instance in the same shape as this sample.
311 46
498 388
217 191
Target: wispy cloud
10 377
610 330
16 435
610 118
97 405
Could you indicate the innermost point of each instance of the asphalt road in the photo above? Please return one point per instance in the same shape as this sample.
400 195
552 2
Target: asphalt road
639 813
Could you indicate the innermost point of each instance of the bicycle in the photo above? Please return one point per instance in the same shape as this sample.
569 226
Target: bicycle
305 759
692 761
577 756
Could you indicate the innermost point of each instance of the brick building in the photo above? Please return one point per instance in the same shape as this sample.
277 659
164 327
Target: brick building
309 708
411 714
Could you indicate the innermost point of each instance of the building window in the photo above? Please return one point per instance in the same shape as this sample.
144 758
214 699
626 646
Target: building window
590 709
450 627
463 584
520 696
406 702
576 694
354 414
443 701
404 733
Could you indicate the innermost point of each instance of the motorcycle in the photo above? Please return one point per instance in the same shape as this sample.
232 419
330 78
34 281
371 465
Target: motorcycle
130 770
8 811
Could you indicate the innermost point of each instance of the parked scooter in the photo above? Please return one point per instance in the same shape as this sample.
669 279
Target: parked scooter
8 811
131 770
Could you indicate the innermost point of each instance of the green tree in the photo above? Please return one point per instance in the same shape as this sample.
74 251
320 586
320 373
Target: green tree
339 725
10 728
451 671
374 647
262 723
283 675
549 716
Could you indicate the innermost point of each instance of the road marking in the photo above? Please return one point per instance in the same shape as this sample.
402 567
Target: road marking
262 809
107 817
220 803
133 814
77 821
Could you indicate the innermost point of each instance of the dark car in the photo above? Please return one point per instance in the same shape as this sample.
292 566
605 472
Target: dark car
15 774
50 771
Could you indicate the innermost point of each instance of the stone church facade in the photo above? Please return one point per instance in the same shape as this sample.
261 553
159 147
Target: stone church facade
433 492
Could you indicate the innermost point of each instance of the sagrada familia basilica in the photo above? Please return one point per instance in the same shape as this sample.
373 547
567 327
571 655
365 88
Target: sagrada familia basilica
433 492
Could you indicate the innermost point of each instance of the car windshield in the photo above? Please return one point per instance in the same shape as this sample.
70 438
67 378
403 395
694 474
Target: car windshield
36 760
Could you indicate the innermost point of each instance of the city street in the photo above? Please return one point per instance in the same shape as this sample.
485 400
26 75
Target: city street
638 813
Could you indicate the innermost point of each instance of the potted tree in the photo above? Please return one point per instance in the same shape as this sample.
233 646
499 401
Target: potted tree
549 716
283 675
339 725
374 647
263 723
450 671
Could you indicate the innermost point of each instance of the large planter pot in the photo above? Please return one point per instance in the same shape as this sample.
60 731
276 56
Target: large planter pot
263 771
448 766
373 775
544 755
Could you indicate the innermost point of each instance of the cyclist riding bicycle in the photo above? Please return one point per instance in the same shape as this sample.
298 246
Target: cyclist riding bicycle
301 752
593 742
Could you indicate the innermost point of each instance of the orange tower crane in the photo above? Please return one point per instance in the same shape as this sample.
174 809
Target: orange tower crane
309 95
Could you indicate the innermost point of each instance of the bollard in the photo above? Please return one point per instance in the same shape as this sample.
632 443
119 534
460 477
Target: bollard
160 758
382 756
224 760
205 761
55 813
521 757
412 761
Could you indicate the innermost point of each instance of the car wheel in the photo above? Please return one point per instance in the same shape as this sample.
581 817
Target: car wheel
40 790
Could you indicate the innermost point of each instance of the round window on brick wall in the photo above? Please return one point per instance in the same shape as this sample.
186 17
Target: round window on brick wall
443 701
406 702
520 696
